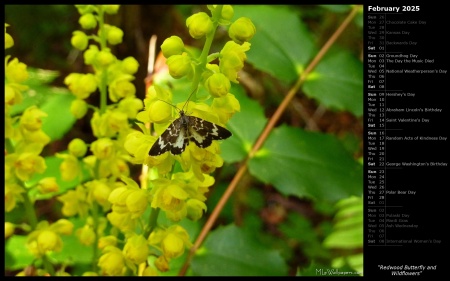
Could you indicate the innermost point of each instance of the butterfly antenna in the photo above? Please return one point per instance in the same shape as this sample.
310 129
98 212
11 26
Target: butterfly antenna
189 97
170 105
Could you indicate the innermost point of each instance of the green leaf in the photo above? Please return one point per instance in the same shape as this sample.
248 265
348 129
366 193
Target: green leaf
307 164
337 82
245 125
282 44
348 226
17 255
59 120
231 251
299 228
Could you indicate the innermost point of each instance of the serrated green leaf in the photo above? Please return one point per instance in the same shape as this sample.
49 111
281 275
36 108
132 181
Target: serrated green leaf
337 82
17 255
231 251
282 45
307 164
245 125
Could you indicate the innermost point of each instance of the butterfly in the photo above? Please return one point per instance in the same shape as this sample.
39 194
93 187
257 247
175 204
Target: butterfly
188 128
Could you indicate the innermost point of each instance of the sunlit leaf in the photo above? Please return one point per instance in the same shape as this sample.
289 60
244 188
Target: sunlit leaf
231 251
307 164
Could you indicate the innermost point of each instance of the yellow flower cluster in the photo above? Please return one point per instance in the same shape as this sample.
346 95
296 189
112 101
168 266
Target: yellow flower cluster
46 237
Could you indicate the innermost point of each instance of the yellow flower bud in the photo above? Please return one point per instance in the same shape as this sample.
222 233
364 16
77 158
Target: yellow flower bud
130 65
172 46
62 226
9 229
150 271
109 240
122 221
13 94
159 112
48 241
227 12
77 147
179 65
47 185
87 21
101 124
16 71
112 262
199 25
84 9
31 118
136 249
69 168
100 191
9 41
79 40
105 58
78 108
111 9
218 85
225 107
27 164
232 59
172 246
131 106
137 202
114 35
118 121
103 148
90 54
121 88
162 264
195 209
81 85
86 235
137 144
242 30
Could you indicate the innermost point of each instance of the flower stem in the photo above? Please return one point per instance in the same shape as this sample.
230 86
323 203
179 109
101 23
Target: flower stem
152 222
33 220
29 210
104 75
95 245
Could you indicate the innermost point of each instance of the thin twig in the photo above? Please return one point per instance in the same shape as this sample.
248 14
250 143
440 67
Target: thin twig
270 125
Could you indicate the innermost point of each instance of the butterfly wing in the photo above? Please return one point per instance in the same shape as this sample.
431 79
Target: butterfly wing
173 139
203 132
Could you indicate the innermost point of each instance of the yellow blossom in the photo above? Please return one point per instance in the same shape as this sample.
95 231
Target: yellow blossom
75 202
173 241
136 249
48 185
112 262
31 118
109 240
70 167
13 193
86 235
9 229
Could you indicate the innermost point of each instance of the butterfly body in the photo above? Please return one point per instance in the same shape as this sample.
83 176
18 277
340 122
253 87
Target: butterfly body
185 129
